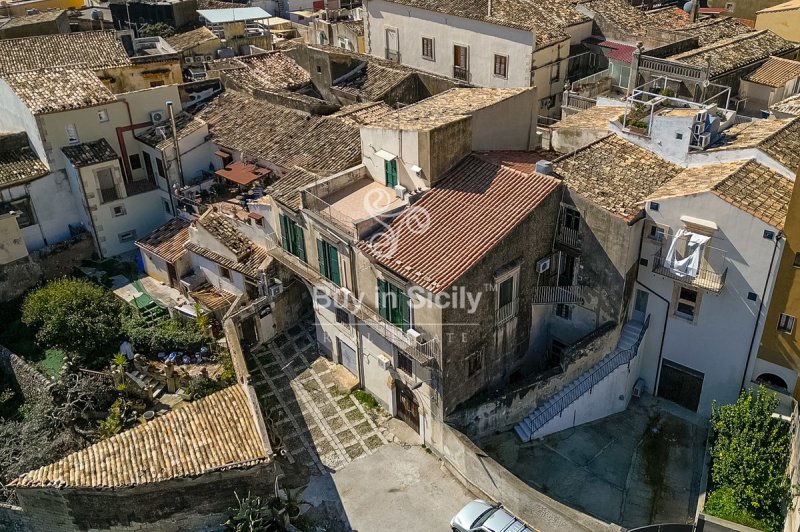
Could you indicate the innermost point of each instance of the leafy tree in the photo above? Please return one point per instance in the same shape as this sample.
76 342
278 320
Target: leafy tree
78 316
750 453
167 335
158 29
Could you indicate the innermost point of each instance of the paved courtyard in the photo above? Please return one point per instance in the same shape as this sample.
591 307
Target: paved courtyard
638 467
312 418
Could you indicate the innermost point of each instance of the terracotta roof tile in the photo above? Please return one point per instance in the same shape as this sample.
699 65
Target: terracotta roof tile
547 20
58 89
736 52
44 16
91 49
776 72
223 229
497 199
615 174
160 136
790 106
215 433
248 265
167 241
593 117
363 113
780 139
287 189
19 163
669 17
190 39
372 81
89 153
276 70
713 30
211 298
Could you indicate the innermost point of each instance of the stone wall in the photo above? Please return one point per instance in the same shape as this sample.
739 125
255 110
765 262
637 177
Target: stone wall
28 380
494 482
503 412
13 519
191 504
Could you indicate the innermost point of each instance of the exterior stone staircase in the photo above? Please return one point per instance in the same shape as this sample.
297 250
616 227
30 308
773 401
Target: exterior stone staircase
147 383
627 348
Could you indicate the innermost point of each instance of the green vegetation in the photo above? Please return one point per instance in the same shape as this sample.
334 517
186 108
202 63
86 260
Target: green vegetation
112 424
15 335
750 452
158 29
52 363
366 399
167 335
78 316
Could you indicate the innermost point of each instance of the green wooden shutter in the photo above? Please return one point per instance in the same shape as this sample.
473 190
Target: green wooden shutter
323 258
333 264
285 232
383 309
391 172
300 243
405 310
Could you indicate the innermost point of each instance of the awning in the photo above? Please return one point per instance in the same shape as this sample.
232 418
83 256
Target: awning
385 155
242 173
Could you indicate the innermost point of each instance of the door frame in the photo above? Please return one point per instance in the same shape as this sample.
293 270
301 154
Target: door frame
401 391
639 315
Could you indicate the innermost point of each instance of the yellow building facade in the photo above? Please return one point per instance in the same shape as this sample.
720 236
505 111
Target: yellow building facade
20 9
783 19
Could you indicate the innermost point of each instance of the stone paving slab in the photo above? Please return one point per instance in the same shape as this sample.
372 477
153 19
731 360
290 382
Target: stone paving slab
317 424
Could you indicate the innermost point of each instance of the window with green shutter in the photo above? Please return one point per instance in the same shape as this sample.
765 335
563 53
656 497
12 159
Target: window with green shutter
292 238
393 305
328 261
391 172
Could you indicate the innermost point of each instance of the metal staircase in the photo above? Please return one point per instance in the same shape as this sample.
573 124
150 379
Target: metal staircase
625 351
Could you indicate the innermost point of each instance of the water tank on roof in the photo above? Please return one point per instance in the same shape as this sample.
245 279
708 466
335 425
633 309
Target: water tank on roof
544 167
688 6
97 15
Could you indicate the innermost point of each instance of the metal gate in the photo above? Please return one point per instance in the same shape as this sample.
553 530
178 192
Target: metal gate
407 407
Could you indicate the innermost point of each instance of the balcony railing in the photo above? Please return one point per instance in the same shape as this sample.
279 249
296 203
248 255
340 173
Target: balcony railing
423 352
672 68
548 295
393 55
461 73
568 237
337 218
706 277
506 312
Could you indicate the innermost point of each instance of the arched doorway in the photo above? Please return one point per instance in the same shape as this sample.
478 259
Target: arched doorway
773 381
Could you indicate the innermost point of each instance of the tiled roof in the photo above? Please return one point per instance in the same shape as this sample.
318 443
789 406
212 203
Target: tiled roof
222 228
496 199
18 163
596 117
780 139
453 104
713 30
160 136
619 51
285 190
776 72
44 16
521 161
89 153
669 17
372 81
356 26
215 433
615 174
363 113
748 185
248 266
280 136
190 39
730 54
546 19
629 19
92 49
167 241
276 70
789 106
786 6
58 89
211 298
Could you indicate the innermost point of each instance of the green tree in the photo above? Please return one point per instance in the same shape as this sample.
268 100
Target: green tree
167 335
157 29
78 316
750 452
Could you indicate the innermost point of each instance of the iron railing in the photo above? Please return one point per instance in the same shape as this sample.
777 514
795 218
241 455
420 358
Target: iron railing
672 68
461 73
329 214
613 360
548 295
706 278
569 237
506 312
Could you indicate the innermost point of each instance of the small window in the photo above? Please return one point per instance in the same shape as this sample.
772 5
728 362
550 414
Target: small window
225 273
427 49
160 166
404 363
344 42
572 218
72 135
656 233
654 206
102 115
786 323
119 210
555 74
686 306
156 83
729 7
127 236
136 161
319 69
679 136
501 66
769 235
557 348
474 363
564 311
342 316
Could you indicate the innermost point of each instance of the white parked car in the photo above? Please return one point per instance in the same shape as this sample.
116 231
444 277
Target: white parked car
480 516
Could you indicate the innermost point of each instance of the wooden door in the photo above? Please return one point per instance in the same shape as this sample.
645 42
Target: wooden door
680 385
407 407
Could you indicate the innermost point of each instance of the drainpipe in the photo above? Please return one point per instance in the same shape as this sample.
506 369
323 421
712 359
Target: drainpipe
175 143
359 339
778 239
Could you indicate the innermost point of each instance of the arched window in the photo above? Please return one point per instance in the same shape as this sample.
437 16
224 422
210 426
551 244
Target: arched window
772 380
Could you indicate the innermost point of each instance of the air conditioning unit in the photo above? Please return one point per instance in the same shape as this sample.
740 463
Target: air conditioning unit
638 388
275 289
157 117
400 191
413 336
705 140
542 265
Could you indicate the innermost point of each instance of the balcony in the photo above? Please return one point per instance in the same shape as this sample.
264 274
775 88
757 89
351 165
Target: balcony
706 277
568 237
461 73
139 187
557 289
507 312
393 55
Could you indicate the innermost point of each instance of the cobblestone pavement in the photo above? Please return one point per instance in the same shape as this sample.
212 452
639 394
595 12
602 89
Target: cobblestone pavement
318 425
